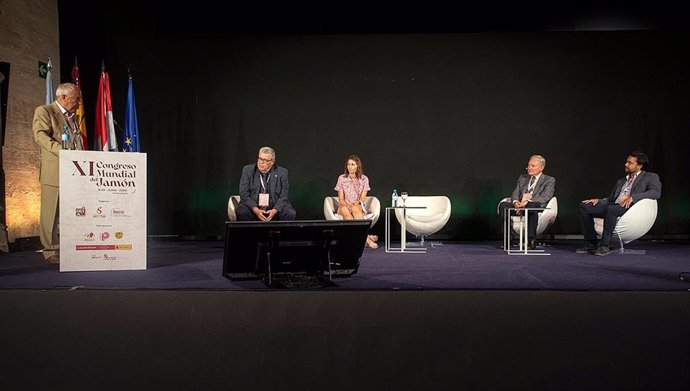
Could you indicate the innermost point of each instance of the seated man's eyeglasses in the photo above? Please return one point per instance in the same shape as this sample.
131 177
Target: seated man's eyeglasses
265 161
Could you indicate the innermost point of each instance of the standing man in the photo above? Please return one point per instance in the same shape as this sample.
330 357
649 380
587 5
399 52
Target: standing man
264 190
49 124
638 184
533 190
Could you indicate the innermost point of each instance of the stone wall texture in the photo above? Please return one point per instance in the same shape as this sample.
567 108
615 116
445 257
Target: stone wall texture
28 34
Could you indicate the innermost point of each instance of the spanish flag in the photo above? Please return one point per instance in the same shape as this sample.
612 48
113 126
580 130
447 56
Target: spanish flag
81 120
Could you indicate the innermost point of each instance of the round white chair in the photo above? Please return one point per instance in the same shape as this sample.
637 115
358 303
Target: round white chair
233 201
372 207
634 224
426 221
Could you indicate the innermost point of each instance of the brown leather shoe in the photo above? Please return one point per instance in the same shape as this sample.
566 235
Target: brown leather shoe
53 260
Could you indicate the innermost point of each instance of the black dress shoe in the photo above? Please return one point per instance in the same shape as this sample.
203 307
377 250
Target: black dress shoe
602 251
589 248
532 245
53 260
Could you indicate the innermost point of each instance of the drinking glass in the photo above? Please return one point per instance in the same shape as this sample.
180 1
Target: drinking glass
403 195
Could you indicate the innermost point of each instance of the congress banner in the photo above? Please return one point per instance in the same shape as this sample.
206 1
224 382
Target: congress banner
102 211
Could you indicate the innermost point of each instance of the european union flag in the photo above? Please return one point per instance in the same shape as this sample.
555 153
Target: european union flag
131 132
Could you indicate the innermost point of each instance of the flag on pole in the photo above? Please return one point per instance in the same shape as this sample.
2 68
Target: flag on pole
104 127
131 136
81 120
50 92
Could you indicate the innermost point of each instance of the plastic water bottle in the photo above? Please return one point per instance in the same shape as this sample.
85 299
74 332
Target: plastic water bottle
394 198
65 137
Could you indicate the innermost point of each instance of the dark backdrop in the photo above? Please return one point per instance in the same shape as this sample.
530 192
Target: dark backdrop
453 113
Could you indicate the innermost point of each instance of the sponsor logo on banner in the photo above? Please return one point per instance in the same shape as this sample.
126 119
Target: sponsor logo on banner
117 212
80 211
104 257
99 212
89 237
105 236
119 235
101 247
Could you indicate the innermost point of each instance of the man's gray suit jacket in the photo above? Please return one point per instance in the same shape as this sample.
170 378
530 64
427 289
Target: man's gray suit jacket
543 190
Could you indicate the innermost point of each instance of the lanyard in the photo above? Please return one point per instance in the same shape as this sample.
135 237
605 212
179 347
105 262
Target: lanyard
263 185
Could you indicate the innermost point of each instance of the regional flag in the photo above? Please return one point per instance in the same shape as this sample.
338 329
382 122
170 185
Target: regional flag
81 120
50 91
104 128
131 136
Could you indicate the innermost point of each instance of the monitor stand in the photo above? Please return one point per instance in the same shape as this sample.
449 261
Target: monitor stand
320 278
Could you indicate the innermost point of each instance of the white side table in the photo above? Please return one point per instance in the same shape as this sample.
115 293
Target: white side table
403 232
523 247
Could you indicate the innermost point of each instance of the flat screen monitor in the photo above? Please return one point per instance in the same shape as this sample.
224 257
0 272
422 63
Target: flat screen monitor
258 249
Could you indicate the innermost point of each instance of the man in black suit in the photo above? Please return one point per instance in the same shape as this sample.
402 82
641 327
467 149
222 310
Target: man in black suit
638 184
264 190
533 190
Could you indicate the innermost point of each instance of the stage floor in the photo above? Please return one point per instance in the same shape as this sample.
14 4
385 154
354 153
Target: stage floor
197 265
462 316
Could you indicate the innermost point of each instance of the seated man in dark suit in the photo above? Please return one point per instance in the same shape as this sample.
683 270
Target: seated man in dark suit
636 185
264 190
533 190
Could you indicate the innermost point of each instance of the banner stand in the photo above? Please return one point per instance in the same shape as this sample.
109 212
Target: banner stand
102 211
